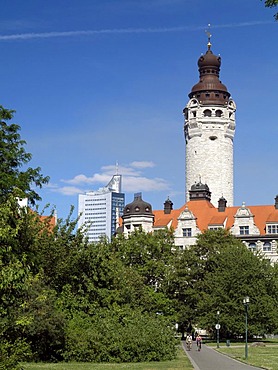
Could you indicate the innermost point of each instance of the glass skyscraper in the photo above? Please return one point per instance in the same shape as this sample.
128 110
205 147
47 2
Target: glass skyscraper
99 210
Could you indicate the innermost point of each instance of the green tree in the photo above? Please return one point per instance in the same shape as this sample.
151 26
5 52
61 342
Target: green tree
17 257
237 272
13 179
150 254
271 4
215 275
100 295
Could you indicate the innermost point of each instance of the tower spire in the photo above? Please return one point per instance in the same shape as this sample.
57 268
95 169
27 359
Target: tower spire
209 36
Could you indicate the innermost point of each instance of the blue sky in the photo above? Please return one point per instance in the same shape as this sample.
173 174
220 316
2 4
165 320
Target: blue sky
100 82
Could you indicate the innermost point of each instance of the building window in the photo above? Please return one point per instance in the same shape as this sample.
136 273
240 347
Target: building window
218 113
267 247
272 229
212 138
252 246
187 232
207 113
244 230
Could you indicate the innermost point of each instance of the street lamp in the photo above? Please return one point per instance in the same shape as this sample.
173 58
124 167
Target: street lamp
246 301
217 328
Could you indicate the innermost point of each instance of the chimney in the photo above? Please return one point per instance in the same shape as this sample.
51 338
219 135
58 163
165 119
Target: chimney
276 202
168 206
222 204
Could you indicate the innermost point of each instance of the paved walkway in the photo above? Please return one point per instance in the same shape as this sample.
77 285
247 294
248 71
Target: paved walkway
209 359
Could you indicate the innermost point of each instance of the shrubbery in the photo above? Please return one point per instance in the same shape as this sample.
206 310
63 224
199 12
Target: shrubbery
121 335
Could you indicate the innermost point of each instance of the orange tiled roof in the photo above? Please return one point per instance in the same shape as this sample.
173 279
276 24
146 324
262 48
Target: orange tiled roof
207 215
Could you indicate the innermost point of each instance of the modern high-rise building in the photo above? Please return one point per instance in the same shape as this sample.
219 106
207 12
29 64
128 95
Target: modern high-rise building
99 210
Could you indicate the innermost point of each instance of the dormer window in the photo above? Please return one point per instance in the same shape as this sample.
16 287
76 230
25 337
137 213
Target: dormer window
215 227
272 229
137 209
244 230
187 232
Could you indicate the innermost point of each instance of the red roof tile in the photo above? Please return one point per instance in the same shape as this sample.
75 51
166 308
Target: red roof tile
207 215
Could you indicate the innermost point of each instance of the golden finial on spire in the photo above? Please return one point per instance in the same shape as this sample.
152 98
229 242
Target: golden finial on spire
209 36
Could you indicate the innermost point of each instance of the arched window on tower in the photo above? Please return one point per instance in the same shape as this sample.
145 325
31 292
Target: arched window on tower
218 113
194 113
207 113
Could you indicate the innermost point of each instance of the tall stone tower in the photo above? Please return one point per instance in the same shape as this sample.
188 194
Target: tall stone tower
209 130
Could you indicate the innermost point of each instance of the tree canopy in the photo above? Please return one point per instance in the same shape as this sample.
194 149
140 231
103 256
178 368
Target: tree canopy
215 275
15 178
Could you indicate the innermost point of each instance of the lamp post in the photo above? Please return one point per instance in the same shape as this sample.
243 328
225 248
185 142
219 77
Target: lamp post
246 301
217 328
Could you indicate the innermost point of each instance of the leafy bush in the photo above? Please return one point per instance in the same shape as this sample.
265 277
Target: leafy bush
119 335
13 353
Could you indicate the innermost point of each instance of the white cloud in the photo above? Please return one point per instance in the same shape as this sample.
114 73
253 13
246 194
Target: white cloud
65 190
123 170
135 184
87 180
142 164
133 180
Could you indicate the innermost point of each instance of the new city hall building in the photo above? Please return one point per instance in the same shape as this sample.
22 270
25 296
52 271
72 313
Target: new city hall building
209 128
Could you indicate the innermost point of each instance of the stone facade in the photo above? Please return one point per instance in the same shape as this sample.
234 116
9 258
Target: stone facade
209 129
209 133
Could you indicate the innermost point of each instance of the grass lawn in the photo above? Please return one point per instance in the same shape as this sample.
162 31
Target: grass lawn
266 357
180 363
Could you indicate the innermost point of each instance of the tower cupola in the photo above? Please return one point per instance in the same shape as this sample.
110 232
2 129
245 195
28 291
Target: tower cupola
199 191
209 89
137 214
137 207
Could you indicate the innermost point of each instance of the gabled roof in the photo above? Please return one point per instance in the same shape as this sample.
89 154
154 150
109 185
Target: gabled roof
207 215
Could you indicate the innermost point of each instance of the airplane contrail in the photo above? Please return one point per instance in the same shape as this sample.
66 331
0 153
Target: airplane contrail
46 35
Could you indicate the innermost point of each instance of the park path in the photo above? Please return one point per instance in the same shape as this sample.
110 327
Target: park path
209 359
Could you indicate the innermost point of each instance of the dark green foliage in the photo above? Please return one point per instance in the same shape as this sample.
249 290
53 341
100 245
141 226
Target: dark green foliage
149 254
272 4
74 300
215 275
41 321
119 335
13 352
12 158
